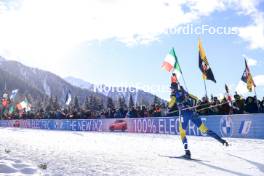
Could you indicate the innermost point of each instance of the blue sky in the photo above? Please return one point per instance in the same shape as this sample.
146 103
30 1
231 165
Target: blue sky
124 42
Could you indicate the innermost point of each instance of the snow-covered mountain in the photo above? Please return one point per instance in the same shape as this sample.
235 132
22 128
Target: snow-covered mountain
79 83
37 83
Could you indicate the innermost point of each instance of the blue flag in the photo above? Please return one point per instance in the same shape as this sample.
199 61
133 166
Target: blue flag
13 94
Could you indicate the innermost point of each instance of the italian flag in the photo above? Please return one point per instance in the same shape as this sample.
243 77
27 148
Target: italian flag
171 63
24 105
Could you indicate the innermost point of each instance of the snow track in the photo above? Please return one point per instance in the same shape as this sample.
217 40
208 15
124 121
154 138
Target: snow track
98 154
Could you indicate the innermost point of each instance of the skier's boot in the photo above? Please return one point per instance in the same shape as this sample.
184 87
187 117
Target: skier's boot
225 143
214 135
187 154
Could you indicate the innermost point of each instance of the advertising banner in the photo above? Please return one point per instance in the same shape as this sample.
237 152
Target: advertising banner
239 126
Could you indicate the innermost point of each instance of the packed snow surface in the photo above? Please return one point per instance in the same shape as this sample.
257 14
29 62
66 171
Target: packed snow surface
94 153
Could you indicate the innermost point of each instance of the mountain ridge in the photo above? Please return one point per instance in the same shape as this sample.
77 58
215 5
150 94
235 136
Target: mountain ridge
39 85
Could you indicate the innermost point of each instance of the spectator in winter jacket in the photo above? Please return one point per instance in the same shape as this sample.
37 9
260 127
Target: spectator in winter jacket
251 105
240 104
262 105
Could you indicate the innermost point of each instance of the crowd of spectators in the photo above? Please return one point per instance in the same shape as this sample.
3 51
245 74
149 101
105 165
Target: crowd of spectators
239 105
81 113
205 106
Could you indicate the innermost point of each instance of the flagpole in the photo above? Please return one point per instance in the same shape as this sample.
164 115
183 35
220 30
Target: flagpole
256 98
205 89
184 83
255 92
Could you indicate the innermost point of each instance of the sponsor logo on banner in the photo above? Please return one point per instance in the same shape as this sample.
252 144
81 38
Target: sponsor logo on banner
118 125
245 127
226 126
163 126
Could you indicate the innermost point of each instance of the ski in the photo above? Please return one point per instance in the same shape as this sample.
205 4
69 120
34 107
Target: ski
180 157
184 158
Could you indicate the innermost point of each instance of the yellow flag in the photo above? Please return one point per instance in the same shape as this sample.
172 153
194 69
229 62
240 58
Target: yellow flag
250 83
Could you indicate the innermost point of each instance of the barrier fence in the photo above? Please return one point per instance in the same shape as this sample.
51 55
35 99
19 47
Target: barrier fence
239 126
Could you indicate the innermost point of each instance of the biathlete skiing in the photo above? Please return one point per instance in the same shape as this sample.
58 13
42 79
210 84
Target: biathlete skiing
180 101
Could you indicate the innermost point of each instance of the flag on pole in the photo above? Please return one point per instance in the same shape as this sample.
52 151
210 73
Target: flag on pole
247 78
204 64
24 105
5 95
11 109
13 94
227 89
4 103
171 63
228 96
68 98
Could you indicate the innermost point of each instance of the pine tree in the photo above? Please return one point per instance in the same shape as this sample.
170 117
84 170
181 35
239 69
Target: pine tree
95 103
38 105
163 105
92 103
131 101
156 100
56 103
87 103
49 105
76 103
122 102
101 104
144 102
110 103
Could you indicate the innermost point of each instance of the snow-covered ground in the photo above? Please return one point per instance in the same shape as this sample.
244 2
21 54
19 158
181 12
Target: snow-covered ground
93 153
13 165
